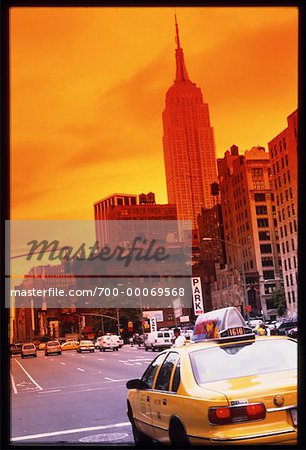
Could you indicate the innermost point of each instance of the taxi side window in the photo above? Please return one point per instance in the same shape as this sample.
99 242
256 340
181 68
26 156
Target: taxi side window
163 379
176 377
148 376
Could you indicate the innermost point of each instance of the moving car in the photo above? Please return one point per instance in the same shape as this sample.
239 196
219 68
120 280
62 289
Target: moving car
158 340
53 347
117 340
223 389
107 343
15 349
69 345
28 349
86 346
284 326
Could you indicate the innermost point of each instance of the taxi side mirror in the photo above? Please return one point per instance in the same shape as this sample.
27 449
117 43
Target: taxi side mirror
136 383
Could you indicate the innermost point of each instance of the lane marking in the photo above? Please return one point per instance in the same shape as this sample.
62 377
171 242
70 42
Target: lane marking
29 376
13 385
101 359
49 392
138 364
111 379
63 363
128 364
82 370
71 431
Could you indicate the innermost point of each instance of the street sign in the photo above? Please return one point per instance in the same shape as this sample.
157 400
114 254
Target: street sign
153 324
197 296
184 319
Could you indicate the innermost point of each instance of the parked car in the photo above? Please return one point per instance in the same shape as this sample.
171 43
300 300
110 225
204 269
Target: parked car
86 346
53 347
28 349
107 343
15 349
158 340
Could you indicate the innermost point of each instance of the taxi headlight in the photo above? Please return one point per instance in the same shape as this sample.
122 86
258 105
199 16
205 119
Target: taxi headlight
232 414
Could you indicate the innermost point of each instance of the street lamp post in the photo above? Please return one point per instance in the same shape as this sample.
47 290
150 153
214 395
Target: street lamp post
208 239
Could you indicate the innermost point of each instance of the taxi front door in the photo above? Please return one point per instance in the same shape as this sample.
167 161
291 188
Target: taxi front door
163 398
142 411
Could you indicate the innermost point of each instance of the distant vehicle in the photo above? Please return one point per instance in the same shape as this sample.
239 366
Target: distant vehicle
282 327
15 349
42 346
86 346
107 343
253 323
28 349
69 345
97 343
158 340
293 333
53 347
117 340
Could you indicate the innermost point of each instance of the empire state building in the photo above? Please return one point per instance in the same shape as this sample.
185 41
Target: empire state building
188 141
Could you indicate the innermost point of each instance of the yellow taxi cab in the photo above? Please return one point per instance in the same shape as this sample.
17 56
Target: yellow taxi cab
227 387
70 345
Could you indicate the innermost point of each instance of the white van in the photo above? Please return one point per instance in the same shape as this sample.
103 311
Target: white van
159 340
107 343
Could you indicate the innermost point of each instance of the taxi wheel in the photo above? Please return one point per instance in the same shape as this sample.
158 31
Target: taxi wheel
177 434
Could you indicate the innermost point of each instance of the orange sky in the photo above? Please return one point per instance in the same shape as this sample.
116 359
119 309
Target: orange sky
88 89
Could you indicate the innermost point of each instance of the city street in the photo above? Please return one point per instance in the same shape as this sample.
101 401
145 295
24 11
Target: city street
74 397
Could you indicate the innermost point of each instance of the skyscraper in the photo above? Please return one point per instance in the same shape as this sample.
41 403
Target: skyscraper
188 141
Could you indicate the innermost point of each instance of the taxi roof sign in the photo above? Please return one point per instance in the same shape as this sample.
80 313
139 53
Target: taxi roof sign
225 323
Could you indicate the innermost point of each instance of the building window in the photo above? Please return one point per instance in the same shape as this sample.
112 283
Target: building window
277 167
279 182
262 223
285 264
283 214
294 225
285 230
290 191
283 163
293 296
257 172
261 210
281 232
294 261
293 209
292 244
264 235
277 200
287 246
281 198
271 151
267 261
286 159
279 216
291 279
284 143
287 281
283 247
251 264
290 226
268 274
260 197
289 263
285 179
289 297
269 288
286 195
258 184
265 248
289 212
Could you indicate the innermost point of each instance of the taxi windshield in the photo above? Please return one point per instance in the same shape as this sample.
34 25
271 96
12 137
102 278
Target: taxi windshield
262 356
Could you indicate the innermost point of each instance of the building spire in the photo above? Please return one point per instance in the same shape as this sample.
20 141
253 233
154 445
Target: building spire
181 71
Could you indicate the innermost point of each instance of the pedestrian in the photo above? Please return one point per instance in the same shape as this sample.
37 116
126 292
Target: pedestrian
179 339
261 330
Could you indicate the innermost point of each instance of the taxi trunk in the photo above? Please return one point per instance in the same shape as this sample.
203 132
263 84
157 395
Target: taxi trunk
278 395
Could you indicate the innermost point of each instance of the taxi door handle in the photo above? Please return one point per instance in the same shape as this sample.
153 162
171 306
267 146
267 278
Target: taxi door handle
148 398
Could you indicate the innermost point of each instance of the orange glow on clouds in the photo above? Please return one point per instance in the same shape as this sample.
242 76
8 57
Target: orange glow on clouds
88 89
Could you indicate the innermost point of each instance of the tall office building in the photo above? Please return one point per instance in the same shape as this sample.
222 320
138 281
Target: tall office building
283 156
188 141
250 224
